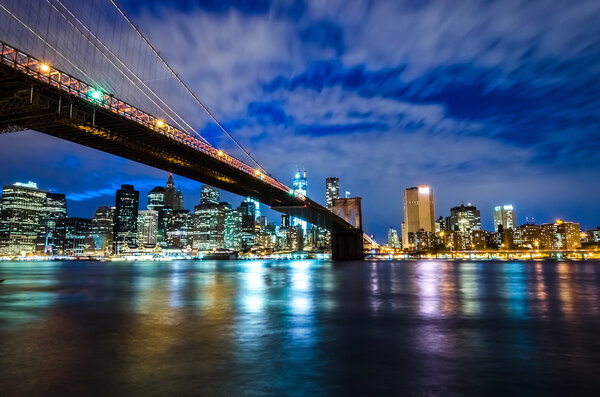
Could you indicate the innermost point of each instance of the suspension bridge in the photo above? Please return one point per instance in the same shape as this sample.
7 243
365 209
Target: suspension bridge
36 94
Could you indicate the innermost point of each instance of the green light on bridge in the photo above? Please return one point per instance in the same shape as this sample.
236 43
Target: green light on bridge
96 95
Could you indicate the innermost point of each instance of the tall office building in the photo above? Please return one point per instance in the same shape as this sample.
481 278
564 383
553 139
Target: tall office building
71 233
156 198
464 218
504 216
170 192
419 212
209 195
178 229
208 225
393 239
233 231
100 233
147 228
125 219
178 200
20 212
248 224
299 184
332 190
54 209
256 203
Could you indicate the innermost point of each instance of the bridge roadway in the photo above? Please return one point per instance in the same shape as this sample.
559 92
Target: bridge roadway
39 97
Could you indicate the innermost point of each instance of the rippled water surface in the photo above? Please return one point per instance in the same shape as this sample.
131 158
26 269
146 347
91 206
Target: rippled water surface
269 328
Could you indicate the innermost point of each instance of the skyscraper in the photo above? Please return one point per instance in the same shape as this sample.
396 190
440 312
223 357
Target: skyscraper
170 192
147 227
125 220
156 198
300 185
209 195
71 233
464 218
20 213
248 222
256 206
177 229
233 230
100 233
419 212
504 216
393 239
54 209
332 190
178 200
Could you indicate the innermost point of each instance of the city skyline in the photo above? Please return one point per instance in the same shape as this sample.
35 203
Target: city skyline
176 198
484 112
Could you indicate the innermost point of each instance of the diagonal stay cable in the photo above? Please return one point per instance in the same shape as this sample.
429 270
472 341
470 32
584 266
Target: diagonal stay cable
123 64
138 31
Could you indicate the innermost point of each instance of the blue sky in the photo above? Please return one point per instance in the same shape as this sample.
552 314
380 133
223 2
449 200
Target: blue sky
489 102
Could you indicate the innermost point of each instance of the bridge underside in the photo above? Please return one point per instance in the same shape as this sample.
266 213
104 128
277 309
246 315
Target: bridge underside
26 103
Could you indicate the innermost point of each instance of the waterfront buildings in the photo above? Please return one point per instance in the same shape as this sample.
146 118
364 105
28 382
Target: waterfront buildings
147 228
393 239
101 230
233 231
504 216
561 235
177 229
71 235
464 219
300 185
22 207
125 218
55 208
419 215
332 190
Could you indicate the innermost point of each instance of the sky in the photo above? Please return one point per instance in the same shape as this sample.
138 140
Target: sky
488 102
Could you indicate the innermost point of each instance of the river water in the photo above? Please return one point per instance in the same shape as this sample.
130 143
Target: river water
300 328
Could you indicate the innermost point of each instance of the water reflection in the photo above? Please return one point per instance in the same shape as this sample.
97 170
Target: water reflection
297 327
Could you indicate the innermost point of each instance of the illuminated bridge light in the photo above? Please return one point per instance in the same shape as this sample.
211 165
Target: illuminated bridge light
257 172
44 68
160 123
96 95
220 153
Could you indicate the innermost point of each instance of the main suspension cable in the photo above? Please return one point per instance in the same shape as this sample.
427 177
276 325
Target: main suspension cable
123 64
185 85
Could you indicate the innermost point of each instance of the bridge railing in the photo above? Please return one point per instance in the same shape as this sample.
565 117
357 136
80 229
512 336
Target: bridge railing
45 73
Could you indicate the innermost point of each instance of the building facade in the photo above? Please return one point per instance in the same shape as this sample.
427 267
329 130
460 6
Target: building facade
332 190
419 214
125 218
55 208
147 228
504 215
21 209
561 235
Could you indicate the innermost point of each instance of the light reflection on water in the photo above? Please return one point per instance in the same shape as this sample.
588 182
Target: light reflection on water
299 327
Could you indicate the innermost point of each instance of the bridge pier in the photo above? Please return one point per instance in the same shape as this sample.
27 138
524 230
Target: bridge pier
347 245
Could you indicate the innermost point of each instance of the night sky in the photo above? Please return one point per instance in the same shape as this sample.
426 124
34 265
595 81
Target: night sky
489 102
